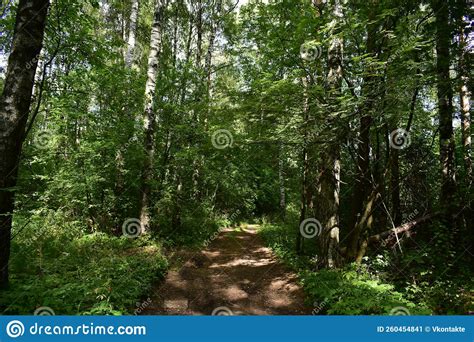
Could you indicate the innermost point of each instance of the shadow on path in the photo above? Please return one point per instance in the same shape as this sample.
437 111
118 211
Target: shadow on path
235 273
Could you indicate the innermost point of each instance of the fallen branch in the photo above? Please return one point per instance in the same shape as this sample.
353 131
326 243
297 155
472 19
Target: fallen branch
400 229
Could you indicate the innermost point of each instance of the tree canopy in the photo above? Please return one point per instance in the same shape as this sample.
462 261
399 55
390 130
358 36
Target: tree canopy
132 129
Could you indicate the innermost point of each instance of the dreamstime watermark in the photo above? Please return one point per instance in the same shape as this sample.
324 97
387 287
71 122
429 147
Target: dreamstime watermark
42 139
33 62
247 203
15 329
133 139
222 311
318 307
407 46
310 227
142 306
221 139
44 311
132 227
399 139
213 237
138 51
399 311
35 237
232 218
309 51
411 216
406 218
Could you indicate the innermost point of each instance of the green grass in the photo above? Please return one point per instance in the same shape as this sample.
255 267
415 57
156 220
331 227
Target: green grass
76 273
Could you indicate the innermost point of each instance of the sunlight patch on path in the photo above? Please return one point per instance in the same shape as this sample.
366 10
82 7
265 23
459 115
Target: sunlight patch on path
235 271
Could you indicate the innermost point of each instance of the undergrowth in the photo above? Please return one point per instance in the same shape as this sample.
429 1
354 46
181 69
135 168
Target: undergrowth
76 272
373 288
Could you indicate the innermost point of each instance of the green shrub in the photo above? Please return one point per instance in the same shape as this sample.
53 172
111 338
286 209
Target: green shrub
75 273
352 291
349 291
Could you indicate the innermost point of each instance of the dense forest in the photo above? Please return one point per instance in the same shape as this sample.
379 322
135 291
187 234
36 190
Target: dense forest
135 133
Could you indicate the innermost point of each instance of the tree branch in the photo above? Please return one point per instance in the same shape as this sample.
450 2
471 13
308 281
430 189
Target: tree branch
400 229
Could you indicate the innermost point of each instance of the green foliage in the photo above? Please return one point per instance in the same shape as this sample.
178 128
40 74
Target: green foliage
81 172
196 226
74 272
352 291
445 287
282 240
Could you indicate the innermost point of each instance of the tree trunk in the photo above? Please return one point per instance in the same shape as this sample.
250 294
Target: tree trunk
329 205
281 180
395 187
199 33
149 116
304 167
331 164
14 109
381 214
445 108
465 99
130 58
363 185
208 61
131 41
399 229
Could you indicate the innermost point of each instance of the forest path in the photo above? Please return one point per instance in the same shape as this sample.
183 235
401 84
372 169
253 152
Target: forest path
236 274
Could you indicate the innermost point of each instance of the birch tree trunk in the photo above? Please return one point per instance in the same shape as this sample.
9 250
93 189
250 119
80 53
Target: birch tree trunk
208 61
14 109
149 115
131 41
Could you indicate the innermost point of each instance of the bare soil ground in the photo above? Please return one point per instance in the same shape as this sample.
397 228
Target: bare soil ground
235 275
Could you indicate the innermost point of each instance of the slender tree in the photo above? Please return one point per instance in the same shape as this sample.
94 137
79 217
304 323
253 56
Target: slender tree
14 109
445 107
149 115
131 40
465 99
304 166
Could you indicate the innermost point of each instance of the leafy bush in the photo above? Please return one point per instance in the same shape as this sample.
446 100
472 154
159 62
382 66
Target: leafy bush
350 291
76 273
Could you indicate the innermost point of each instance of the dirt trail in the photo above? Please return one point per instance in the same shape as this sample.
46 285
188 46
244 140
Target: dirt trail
236 274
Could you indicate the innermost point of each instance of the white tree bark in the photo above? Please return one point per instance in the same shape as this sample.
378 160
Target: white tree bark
130 57
149 116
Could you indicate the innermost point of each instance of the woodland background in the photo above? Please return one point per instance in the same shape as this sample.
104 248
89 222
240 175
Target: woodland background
153 123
